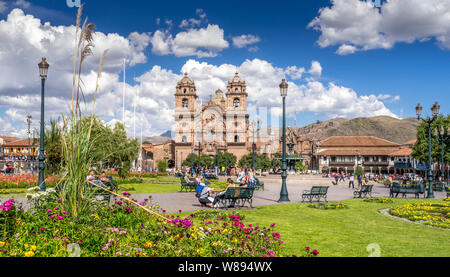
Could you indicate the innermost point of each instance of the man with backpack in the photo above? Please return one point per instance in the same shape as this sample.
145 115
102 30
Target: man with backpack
205 195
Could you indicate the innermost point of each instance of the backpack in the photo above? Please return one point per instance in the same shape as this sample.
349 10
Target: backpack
198 192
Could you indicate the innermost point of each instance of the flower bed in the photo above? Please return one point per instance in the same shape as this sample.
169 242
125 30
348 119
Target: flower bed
434 214
381 200
25 181
124 230
327 206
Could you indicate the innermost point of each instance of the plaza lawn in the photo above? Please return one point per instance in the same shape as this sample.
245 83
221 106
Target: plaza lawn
159 185
348 232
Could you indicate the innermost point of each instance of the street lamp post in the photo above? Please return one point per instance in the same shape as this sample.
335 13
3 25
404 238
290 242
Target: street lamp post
43 70
254 129
442 140
284 196
435 111
29 141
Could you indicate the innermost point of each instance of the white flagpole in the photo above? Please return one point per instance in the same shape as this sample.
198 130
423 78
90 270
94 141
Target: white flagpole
123 103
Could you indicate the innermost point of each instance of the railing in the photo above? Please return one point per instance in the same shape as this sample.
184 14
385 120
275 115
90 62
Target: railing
376 163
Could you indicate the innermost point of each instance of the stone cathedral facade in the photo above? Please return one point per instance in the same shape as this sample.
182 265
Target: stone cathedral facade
222 124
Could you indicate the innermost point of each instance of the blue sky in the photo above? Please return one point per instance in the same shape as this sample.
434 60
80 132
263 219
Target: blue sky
409 72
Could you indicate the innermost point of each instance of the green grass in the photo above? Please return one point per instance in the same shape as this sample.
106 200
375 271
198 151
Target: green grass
159 185
348 232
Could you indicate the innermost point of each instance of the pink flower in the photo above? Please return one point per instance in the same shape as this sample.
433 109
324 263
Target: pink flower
315 252
59 218
42 229
49 211
119 202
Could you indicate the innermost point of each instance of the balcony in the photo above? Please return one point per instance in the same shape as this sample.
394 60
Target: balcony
376 163
342 163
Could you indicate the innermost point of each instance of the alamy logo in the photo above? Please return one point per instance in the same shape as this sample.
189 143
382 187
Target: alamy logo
73 3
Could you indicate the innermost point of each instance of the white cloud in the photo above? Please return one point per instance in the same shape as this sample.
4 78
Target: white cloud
203 42
316 69
23 4
245 40
3 7
194 22
356 25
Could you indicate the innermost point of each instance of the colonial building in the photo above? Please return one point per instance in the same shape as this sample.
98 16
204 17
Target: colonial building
21 149
222 124
340 154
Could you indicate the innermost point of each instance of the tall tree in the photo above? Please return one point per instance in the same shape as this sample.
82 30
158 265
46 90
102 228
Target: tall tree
420 149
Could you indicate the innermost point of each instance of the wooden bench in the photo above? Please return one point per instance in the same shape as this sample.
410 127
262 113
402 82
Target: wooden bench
404 190
237 196
365 190
316 192
187 187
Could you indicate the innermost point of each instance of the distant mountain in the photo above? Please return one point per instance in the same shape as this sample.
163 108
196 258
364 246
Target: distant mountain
385 127
167 134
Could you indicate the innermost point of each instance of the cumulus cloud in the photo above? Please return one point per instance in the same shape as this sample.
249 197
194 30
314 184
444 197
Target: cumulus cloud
245 40
202 42
316 69
25 39
356 25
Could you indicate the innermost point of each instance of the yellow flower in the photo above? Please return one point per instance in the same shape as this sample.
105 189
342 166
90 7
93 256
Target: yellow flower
2 244
26 245
149 244
33 248
29 254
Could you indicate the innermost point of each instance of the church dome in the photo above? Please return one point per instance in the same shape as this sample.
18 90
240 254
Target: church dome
237 79
186 81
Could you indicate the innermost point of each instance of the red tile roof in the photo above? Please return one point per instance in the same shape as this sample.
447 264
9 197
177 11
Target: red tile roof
21 143
359 141
402 152
8 139
354 152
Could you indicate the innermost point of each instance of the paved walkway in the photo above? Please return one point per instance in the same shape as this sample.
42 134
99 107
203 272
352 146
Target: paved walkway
187 202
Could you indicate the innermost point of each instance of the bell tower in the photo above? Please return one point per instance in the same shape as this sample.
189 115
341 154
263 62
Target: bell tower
185 106
236 111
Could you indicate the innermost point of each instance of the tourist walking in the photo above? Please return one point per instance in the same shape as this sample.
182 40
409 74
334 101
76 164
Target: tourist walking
351 182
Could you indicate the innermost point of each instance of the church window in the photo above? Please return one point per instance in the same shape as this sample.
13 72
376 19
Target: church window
237 103
185 103
185 91
184 139
236 139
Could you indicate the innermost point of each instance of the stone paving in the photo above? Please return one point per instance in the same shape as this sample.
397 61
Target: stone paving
187 202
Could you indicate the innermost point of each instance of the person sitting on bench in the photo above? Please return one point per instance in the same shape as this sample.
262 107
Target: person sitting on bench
206 196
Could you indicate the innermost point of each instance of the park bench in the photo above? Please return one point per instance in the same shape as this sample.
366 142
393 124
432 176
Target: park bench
316 192
237 196
187 187
259 185
365 190
210 176
404 190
